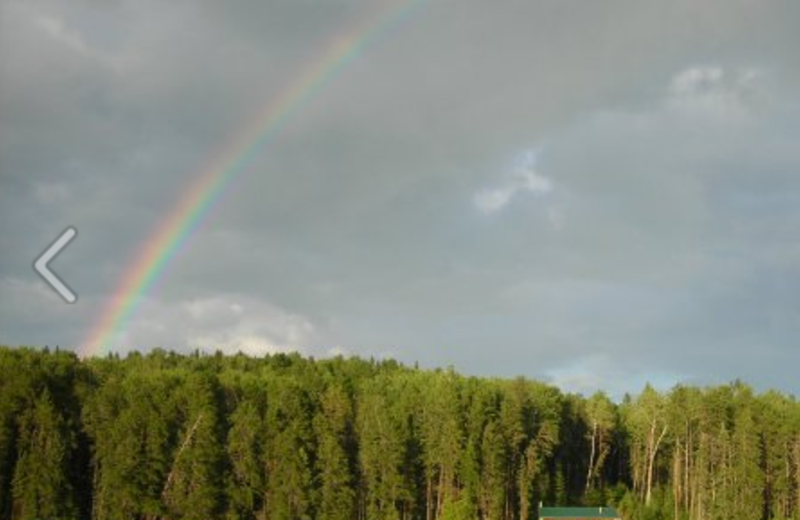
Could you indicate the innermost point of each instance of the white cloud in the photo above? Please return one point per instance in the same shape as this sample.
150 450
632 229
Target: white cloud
69 38
696 79
229 322
523 177
712 91
600 372
253 345
338 351
55 29
491 200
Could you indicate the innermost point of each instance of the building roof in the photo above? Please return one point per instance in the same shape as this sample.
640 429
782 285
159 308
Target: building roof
578 512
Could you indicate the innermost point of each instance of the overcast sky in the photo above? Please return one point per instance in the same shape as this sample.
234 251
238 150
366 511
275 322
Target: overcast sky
596 194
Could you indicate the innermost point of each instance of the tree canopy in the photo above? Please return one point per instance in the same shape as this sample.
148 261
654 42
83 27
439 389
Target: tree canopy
283 437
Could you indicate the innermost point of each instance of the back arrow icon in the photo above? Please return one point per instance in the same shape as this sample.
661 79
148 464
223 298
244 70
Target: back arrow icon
40 264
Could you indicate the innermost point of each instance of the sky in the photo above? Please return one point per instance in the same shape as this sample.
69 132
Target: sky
594 194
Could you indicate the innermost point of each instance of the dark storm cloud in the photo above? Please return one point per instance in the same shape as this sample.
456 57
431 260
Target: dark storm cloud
651 236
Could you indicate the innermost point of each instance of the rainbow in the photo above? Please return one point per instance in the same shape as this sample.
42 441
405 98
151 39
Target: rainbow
212 183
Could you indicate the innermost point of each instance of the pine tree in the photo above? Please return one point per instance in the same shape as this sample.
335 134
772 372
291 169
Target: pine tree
334 430
193 486
41 487
246 479
289 451
166 437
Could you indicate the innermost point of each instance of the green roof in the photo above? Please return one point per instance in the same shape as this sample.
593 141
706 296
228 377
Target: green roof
578 512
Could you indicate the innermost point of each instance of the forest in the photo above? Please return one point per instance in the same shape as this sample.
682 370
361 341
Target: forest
283 437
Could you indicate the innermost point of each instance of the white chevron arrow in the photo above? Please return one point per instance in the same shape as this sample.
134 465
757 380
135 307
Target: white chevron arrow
40 264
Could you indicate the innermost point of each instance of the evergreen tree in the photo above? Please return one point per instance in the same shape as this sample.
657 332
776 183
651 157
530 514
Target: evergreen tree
165 437
334 429
193 486
289 451
247 478
41 487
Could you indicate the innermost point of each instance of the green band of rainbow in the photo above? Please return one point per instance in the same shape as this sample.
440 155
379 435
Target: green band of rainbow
201 197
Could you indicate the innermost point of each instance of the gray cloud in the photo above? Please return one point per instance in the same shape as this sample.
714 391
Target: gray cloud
653 238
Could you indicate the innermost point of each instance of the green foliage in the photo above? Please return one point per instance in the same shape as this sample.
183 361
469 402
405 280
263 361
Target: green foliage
167 437
41 486
246 475
334 431
458 509
193 488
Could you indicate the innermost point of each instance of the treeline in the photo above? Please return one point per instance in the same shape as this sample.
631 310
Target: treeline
166 436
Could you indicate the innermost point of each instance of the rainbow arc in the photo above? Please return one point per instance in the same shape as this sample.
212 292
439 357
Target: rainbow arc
213 182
